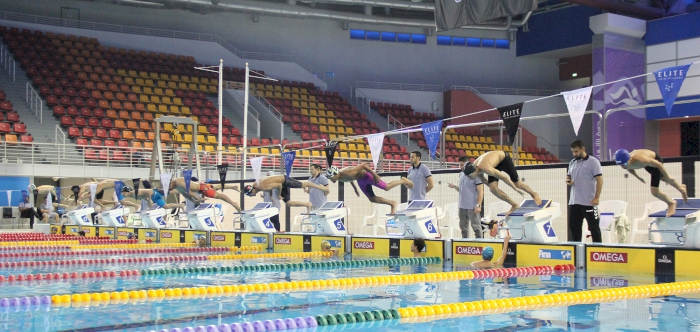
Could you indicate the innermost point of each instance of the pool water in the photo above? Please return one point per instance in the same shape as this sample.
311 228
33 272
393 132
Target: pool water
670 313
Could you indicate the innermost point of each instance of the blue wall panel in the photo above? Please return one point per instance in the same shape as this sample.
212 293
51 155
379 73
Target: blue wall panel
16 184
673 28
555 30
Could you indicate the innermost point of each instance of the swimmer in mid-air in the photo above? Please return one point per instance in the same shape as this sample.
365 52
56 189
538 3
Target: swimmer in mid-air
487 255
653 164
492 163
367 178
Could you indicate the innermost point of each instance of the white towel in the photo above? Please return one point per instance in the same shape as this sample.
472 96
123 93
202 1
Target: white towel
622 228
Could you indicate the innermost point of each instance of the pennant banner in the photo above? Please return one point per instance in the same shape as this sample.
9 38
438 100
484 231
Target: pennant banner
136 183
288 158
165 182
330 152
223 169
144 205
93 189
670 81
118 186
24 193
58 194
9 197
576 102
48 202
431 133
76 192
375 142
256 165
187 175
511 119
36 196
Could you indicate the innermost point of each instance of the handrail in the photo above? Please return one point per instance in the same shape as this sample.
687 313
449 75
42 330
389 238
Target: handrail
362 99
399 86
393 124
61 22
36 104
506 91
60 138
8 62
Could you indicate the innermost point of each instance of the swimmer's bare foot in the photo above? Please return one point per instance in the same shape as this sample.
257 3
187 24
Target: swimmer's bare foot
685 194
512 209
537 199
671 209
406 182
393 208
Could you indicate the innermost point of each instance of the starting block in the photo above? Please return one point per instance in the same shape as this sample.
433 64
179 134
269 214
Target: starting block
204 217
154 217
257 219
327 220
532 223
416 221
114 217
681 229
81 215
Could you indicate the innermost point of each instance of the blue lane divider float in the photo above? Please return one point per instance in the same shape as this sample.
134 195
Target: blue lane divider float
255 326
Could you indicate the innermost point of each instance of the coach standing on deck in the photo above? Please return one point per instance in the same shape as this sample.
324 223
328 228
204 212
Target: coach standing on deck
585 177
317 197
421 177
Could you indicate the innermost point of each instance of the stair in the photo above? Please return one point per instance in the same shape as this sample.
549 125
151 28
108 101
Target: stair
42 132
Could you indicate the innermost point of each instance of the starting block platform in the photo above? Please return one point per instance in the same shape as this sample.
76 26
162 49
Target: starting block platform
81 215
681 229
256 219
532 223
327 220
418 220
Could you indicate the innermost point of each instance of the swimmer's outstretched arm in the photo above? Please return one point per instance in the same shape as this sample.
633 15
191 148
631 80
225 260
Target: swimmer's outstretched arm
504 252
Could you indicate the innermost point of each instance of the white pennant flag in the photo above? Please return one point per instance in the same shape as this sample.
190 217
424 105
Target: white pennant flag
256 165
165 182
9 197
48 202
376 142
144 206
189 205
93 189
576 102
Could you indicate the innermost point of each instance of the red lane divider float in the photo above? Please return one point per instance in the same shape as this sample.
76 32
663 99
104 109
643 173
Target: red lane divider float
114 252
36 248
130 260
71 275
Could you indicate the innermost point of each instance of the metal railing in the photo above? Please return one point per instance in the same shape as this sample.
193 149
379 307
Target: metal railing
8 62
60 139
394 124
140 158
361 99
399 86
54 21
506 91
35 102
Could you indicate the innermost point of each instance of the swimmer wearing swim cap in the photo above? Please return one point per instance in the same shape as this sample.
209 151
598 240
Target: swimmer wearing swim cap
487 256
326 247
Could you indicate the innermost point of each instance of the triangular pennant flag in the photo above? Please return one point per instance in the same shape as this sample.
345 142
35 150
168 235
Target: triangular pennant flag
165 183
256 165
118 186
58 194
187 176
330 152
288 158
9 197
511 119
76 191
670 81
189 205
431 133
137 183
222 169
93 189
376 141
576 102
48 202
144 205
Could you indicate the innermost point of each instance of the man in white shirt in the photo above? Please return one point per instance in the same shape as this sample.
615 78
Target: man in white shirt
48 214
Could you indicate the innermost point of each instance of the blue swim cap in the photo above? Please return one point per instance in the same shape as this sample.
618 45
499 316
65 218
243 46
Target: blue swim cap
622 156
487 253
